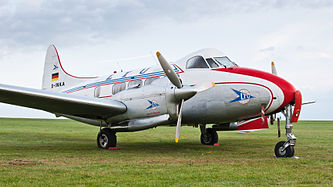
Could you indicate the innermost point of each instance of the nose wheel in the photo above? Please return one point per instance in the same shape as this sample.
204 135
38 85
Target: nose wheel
282 151
106 139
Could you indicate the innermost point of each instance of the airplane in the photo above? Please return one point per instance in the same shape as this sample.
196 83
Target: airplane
202 88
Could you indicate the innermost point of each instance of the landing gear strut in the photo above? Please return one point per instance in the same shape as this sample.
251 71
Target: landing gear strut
106 138
286 148
208 136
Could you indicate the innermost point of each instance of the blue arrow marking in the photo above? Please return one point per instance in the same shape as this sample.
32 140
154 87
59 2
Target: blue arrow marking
152 105
241 96
55 67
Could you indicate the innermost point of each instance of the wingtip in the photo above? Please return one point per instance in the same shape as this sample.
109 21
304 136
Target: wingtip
158 54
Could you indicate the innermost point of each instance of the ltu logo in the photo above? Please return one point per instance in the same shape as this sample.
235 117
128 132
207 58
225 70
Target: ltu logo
244 96
153 105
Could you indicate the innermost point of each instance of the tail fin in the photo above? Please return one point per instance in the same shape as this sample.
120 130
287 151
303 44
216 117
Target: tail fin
55 78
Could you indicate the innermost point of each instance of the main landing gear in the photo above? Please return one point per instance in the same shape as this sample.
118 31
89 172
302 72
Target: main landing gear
208 136
286 148
107 139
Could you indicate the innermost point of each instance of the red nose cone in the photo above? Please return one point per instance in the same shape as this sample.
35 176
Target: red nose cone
287 88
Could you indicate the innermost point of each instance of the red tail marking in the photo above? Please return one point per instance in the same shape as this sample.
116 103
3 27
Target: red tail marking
66 71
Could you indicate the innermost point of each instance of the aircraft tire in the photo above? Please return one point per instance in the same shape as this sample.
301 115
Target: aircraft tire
288 152
210 138
106 138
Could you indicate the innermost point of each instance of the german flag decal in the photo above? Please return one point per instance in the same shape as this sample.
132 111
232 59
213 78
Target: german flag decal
55 76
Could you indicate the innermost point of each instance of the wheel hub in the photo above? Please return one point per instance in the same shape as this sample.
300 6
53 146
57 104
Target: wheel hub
281 151
103 140
207 138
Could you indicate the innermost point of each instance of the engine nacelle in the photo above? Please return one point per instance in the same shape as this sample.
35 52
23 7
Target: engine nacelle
149 102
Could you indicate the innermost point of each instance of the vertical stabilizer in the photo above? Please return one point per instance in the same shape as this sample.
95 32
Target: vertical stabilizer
55 78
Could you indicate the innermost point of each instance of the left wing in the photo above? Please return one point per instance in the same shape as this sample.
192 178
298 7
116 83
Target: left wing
61 103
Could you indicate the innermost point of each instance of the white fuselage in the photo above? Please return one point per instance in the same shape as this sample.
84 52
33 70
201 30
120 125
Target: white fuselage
239 93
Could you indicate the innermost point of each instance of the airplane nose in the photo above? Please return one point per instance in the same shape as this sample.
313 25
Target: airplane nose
291 96
288 90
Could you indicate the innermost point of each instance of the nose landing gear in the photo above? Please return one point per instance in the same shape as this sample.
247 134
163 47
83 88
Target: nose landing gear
286 148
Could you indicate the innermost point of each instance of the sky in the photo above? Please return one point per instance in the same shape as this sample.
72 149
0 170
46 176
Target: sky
100 36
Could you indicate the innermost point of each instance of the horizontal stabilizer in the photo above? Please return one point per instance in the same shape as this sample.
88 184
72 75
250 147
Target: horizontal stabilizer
61 103
253 125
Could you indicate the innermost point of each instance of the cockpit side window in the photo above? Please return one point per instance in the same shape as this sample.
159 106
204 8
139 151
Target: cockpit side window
196 62
225 61
212 63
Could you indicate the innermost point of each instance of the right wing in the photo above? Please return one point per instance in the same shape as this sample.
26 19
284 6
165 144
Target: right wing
61 103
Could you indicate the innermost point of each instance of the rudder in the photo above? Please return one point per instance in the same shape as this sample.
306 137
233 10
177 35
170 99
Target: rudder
55 78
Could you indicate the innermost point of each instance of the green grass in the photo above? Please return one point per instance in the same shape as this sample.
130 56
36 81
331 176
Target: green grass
36 152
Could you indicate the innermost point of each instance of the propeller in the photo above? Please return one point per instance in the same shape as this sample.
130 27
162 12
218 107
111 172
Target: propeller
274 72
183 92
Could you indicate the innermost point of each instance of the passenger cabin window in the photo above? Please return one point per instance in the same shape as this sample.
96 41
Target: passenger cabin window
118 87
212 63
134 84
196 62
97 91
104 91
225 62
150 80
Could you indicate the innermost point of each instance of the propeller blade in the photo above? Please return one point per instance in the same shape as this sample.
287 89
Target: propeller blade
274 72
278 127
308 102
171 74
262 114
272 118
179 121
204 86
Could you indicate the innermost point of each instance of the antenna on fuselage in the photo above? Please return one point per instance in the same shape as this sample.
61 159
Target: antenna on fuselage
121 70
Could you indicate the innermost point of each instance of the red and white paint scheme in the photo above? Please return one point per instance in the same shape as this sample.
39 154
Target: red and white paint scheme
203 89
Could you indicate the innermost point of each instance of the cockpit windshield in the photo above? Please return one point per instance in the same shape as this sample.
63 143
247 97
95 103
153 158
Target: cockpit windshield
225 62
196 62
216 62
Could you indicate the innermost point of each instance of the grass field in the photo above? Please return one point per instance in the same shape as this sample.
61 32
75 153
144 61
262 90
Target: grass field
36 152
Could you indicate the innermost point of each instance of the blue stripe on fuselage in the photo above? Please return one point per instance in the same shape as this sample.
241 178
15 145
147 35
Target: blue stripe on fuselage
123 79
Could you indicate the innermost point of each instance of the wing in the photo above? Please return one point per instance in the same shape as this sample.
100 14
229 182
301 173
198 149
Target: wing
61 103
